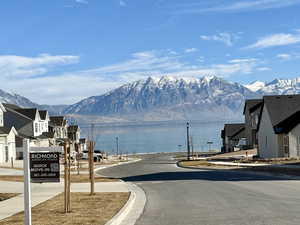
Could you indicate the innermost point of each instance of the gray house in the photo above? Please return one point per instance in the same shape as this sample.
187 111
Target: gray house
252 110
279 127
231 134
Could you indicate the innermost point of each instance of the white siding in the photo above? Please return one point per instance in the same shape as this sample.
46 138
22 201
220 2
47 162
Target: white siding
294 144
7 143
267 139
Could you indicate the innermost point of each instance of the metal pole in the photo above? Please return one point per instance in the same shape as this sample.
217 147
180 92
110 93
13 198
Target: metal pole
27 194
92 170
188 140
192 143
117 143
65 177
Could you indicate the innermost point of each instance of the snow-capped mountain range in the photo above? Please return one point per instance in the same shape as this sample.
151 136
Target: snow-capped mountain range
169 98
276 87
21 101
207 98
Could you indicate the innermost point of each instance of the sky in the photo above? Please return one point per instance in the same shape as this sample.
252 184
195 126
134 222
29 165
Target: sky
61 51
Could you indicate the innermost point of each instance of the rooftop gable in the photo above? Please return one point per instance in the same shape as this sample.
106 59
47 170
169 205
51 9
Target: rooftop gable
281 107
233 129
58 120
44 114
2 108
31 113
252 103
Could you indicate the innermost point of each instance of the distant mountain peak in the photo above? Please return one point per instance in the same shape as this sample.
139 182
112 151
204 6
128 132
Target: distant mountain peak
255 85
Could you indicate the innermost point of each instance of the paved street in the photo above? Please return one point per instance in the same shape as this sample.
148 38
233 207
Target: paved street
207 197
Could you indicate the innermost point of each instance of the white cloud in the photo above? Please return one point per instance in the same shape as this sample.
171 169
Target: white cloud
273 40
12 65
263 69
224 37
122 3
82 1
235 6
190 50
284 56
67 88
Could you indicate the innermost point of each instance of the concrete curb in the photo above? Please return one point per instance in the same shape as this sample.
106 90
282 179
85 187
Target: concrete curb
133 208
118 164
261 173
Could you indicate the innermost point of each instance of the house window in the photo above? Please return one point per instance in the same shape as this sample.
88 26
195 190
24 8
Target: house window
36 127
286 144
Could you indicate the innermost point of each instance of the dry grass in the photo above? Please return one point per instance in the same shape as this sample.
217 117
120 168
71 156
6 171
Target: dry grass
5 196
81 178
204 164
9 167
84 178
85 210
11 178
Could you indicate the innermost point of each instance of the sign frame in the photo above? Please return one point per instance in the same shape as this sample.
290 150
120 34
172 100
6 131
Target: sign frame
44 167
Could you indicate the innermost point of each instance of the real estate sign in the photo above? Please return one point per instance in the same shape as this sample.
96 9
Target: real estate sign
44 167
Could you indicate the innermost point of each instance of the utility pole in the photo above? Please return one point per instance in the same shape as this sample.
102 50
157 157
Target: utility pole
188 140
192 143
117 144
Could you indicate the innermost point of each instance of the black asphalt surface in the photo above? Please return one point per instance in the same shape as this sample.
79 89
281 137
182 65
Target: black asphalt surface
177 196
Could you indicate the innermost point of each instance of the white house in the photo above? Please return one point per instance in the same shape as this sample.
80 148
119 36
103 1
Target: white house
44 120
7 139
279 127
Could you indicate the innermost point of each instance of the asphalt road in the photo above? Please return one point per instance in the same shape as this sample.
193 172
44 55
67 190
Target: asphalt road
210 197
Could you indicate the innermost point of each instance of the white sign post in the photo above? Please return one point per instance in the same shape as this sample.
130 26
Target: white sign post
27 189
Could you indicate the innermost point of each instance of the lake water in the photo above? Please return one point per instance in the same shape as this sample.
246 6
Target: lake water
155 137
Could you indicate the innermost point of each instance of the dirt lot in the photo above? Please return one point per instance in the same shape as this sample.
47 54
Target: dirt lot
85 210
84 178
203 164
5 196
81 178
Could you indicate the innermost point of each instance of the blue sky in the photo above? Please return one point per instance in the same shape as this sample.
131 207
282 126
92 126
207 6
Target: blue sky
60 51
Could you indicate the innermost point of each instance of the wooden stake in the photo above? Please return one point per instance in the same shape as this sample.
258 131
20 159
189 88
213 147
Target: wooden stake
91 166
92 170
65 177
69 180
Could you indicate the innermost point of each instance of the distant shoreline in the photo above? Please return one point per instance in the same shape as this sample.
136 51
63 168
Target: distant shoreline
153 123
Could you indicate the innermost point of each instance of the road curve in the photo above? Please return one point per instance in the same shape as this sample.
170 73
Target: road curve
177 196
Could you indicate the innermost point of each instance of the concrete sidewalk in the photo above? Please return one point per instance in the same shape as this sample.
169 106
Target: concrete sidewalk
45 191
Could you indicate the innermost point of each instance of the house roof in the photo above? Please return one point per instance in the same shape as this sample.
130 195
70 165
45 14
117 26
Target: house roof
73 128
7 130
22 123
82 140
31 113
281 107
46 135
4 130
252 104
58 120
233 129
11 106
43 114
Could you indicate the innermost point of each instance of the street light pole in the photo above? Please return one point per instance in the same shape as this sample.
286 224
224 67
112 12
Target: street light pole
188 140
117 143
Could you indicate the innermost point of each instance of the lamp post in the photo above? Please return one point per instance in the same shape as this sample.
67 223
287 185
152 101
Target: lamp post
209 144
117 144
188 140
